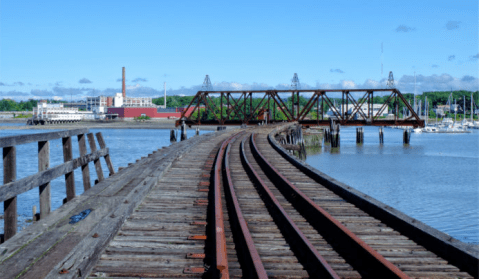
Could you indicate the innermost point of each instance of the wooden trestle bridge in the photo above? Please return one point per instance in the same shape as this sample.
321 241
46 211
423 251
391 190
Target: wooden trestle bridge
230 204
237 107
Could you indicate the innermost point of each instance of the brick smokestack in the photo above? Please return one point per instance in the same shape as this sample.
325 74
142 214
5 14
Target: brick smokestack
123 84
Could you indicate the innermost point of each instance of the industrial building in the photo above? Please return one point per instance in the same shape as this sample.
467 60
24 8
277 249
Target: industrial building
120 106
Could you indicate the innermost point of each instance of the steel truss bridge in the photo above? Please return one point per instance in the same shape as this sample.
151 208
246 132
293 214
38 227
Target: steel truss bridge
237 108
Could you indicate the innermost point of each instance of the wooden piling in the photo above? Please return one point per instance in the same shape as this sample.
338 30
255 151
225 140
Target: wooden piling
172 135
381 135
327 136
44 190
335 136
197 131
99 172
360 135
183 132
69 177
10 205
406 136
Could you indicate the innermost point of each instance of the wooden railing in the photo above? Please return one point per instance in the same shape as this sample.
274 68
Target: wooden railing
12 187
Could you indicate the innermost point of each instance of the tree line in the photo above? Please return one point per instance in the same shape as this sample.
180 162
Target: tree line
433 98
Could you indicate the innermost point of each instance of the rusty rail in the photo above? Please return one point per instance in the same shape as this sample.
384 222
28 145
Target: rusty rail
311 257
220 240
257 270
323 221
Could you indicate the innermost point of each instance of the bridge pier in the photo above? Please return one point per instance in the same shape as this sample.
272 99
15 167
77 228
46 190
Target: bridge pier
381 135
406 136
359 135
183 132
335 136
172 135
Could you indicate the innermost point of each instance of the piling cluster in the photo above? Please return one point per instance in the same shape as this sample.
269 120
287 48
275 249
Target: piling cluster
360 135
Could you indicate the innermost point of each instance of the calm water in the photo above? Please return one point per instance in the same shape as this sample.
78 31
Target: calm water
12 124
126 146
435 179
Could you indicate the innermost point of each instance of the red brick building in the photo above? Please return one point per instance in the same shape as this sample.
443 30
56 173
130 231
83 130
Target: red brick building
132 112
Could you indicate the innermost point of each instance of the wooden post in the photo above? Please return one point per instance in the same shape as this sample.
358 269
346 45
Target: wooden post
10 205
99 172
172 135
359 135
84 169
44 190
69 177
102 144
381 135
183 132
406 136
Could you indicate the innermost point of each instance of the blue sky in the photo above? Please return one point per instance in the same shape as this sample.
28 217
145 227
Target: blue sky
63 48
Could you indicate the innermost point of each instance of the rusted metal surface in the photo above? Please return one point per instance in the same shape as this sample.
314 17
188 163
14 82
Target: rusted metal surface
381 265
220 240
197 237
318 262
194 270
240 109
253 256
195 256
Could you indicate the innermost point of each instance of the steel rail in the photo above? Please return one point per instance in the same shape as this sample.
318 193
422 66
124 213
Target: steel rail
220 239
313 261
258 270
381 267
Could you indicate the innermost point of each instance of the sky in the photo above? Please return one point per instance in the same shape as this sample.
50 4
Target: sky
74 49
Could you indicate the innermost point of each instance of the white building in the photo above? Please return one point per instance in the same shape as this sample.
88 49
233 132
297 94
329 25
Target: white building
98 104
56 113
349 108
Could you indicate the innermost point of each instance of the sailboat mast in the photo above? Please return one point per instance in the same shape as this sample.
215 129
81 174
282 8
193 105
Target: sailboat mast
472 109
426 111
455 110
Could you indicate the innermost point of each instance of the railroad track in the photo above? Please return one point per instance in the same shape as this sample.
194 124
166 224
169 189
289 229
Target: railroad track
268 219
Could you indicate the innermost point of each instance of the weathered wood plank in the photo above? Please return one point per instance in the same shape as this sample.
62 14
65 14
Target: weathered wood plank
15 188
69 176
10 205
99 172
102 144
44 189
23 139
84 169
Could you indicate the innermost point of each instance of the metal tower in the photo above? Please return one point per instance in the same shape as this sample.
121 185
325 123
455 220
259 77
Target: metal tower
207 84
295 82
391 80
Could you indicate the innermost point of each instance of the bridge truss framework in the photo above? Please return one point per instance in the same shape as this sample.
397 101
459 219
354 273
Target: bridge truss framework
236 108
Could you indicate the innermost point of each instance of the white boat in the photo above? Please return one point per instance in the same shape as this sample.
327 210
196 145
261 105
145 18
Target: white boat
417 130
431 129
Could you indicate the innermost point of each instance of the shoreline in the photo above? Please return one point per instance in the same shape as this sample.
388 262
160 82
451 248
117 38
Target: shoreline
161 124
